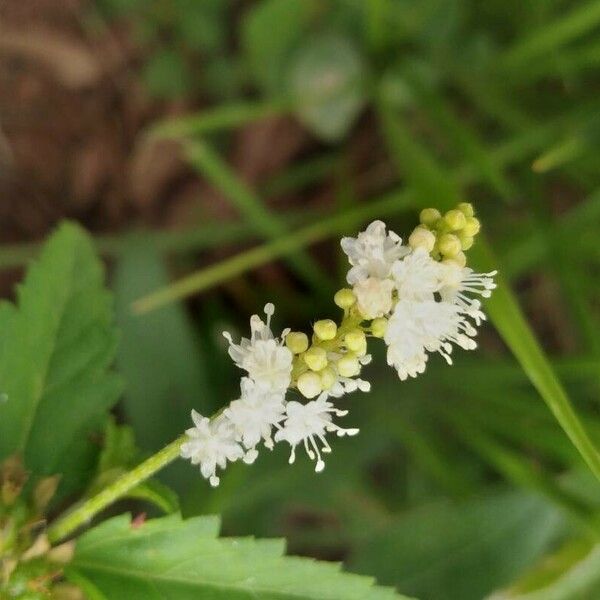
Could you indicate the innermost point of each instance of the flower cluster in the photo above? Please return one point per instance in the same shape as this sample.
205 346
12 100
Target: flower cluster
420 298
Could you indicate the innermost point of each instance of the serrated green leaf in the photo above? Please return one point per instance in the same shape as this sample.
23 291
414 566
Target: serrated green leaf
55 354
173 558
461 550
326 85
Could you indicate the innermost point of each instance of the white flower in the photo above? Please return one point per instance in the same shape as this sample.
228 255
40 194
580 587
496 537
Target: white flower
210 444
308 423
405 340
418 327
374 296
266 359
255 413
457 282
372 253
417 276
347 385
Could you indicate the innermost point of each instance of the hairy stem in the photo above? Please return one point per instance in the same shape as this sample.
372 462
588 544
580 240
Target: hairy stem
86 511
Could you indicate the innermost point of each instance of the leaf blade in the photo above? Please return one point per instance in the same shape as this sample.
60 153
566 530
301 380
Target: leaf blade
170 557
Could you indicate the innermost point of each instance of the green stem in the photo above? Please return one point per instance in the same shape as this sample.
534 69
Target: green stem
85 512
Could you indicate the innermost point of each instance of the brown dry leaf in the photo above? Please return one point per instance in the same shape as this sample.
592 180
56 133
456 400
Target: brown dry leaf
70 62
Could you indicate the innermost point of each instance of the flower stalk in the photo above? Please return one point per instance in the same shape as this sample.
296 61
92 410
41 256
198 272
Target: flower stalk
85 512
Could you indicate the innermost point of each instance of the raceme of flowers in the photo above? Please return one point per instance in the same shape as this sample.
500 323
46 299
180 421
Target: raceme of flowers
420 298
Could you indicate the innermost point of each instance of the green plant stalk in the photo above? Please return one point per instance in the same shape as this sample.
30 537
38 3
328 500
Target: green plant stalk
260 255
85 512
217 119
212 166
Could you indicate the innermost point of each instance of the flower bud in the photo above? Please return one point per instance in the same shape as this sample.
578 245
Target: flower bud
296 341
355 340
344 298
309 384
455 219
422 238
326 329
429 216
449 245
348 366
328 378
460 259
378 327
466 241
472 227
466 208
316 358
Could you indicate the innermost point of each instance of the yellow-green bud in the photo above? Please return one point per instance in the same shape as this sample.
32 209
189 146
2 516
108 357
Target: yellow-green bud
309 384
378 327
449 245
455 219
315 358
422 238
296 341
460 259
355 340
466 241
348 366
344 298
429 216
328 378
325 329
466 208
472 226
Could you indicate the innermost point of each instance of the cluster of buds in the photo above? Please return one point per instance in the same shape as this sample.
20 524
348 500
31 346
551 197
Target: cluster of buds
332 360
417 297
448 236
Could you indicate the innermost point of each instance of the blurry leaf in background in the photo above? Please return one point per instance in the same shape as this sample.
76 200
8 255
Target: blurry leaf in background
201 24
326 84
59 344
270 32
446 551
167 75
160 357
173 558
571 573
